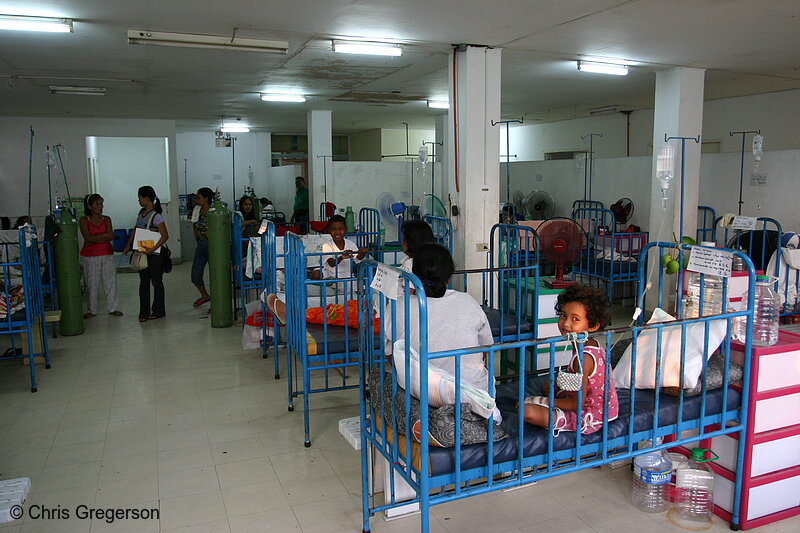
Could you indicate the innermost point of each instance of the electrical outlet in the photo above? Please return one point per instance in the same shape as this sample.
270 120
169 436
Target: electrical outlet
481 247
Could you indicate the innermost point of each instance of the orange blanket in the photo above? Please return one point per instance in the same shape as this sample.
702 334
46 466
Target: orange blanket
338 315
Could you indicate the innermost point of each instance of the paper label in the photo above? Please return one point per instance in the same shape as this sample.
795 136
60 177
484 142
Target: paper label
652 478
758 180
711 261
263 227
386 281
744 223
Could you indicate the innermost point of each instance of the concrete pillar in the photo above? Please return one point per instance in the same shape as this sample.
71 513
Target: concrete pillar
320 142
473 149
441 157
678 112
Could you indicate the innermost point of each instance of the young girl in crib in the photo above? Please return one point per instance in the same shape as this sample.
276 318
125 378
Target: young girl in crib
580 309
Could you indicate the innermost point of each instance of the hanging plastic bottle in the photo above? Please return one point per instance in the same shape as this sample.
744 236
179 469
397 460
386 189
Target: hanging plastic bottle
694 484
766 313
758 149
651 476
349 218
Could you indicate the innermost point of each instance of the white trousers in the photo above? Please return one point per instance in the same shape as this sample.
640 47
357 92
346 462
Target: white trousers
96 270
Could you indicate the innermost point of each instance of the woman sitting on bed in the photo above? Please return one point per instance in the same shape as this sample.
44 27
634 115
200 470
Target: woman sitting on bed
455 320
580 309
415 234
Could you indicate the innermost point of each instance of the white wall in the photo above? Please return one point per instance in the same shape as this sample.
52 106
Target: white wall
393 141
777 115
72 134
280 188
209 166
122 165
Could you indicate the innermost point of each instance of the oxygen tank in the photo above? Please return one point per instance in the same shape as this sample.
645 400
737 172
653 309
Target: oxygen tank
219 265
68 275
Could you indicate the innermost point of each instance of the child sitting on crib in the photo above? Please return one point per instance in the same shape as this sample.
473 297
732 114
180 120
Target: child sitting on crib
580 309
338 265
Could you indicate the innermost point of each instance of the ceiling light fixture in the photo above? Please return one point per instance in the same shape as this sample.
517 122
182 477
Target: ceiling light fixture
604 109
235 127
367 48
78 90
190 40
603 68
274 97
25 23
439 104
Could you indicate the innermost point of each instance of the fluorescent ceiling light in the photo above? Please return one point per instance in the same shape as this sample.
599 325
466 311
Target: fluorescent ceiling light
74 89
273 97
367 48
439 104
235 127
25 23
603 68
190 40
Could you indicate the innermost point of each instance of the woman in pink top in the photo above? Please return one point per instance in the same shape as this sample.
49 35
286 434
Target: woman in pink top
97 256
580 309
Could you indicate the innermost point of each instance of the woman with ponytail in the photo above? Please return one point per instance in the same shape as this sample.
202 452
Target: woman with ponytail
455 320
150 218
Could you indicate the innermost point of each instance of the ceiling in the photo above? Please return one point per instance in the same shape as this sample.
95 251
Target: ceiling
747 48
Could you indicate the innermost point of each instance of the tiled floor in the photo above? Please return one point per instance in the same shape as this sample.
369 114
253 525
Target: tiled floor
173 414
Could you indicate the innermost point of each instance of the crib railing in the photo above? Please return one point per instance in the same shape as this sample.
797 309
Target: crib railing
706 224
442 230
438 475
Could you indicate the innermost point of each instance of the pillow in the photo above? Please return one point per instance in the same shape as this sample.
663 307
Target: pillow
715 371
441 385
646 347
441 421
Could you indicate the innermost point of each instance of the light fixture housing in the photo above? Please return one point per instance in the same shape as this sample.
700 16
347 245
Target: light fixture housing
371 48
276 97
78 90
25 23
235 127
218 42
603 68
439 104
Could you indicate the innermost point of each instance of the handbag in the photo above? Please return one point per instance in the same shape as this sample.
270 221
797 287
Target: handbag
572 381
166 259
138 260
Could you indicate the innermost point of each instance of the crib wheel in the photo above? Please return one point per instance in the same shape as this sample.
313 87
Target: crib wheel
291 408
33 389
735 527
47 366
264 356
307 444
277 376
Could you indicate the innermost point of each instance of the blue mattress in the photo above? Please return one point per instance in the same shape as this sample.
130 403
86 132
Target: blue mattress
602 268
442 460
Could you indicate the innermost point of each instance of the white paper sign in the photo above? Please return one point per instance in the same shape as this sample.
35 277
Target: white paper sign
386 281
744 223
711 261
758 180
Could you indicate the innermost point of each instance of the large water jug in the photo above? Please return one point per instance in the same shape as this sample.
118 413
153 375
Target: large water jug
694 484
766 313
651 476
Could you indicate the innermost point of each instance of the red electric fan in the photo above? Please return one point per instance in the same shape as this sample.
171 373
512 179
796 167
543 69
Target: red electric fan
561 241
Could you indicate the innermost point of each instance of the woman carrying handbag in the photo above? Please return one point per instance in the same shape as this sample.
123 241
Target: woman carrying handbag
149 264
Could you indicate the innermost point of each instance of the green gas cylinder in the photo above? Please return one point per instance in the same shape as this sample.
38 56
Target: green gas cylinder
219 265
68 275
349 218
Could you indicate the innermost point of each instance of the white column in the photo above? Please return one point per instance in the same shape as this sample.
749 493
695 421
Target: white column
262 164
678 112
473 183
320 142
442 157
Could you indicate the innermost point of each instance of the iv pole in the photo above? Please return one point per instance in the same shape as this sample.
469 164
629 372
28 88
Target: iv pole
741 166
325 174
233 164
508 154
591 161
433 165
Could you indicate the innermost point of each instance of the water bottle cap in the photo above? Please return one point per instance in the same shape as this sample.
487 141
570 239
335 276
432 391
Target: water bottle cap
762 277
698 453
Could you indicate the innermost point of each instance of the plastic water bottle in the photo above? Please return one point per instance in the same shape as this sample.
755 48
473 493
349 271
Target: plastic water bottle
651 477
695 492
382 238
766 313
349 218
712 296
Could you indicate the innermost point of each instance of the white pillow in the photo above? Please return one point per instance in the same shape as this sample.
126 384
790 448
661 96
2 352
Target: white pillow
441 385
646 347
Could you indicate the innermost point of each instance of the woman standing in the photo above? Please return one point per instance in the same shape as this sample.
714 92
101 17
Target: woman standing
200 220
97 256
150 218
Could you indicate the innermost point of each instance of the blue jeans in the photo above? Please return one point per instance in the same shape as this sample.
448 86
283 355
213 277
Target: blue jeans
199 263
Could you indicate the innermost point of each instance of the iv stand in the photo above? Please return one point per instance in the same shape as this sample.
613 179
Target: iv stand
741 166
683 162
591 162
233 169
325 174
185 181
412 160
508 154
433 163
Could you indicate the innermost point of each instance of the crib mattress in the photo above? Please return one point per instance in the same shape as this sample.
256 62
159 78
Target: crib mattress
442 460
603 267
509 324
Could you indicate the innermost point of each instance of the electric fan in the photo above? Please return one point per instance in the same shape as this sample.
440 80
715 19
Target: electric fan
539 205
623 210
433 206
518 201
391 212
561 240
